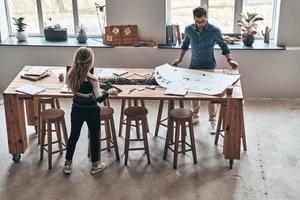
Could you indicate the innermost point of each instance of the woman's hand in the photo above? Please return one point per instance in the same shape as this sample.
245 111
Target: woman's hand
113 92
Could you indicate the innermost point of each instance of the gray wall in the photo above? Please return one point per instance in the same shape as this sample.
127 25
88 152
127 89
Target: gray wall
265 73
149 15
289 31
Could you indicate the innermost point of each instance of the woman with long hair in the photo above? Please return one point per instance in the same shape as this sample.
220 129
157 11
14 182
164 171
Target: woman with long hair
87 93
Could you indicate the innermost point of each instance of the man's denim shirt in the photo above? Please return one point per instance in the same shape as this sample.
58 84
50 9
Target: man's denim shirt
202 44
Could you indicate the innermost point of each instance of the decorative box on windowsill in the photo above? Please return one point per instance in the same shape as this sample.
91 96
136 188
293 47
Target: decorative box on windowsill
56 34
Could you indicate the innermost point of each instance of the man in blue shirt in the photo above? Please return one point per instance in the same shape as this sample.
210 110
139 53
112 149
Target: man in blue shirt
202 37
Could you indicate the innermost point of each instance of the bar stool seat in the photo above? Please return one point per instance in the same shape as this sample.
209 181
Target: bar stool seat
42 103
136 113
106 112
135 103
49 117
180 116
52 115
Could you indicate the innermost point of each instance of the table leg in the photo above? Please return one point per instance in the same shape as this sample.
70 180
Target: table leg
233 129
15 123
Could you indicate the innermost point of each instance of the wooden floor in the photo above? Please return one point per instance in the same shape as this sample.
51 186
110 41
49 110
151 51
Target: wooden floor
268 170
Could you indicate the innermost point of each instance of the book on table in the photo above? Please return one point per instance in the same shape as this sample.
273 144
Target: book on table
30 89
34 78
175 91
65 89
36 71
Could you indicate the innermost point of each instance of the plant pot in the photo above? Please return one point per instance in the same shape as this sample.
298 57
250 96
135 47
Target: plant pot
267 38
81 37
21 36
248 40
56 34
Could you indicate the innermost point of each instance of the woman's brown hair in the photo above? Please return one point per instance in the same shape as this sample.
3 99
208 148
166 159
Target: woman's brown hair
82 62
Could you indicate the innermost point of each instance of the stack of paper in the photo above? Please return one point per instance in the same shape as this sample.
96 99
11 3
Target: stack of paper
30 89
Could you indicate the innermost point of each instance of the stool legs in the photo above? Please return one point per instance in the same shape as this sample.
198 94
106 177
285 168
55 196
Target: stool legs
160 109
121 117
176 145
144 127
127 137
180 128
145 138
193 146
113 131
46 129
122 120
49 141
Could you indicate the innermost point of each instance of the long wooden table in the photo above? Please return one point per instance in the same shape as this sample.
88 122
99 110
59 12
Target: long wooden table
15 112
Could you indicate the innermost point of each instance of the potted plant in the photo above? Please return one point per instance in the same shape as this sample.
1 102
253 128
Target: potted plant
249 26
81 35
266 34
21 34
55 33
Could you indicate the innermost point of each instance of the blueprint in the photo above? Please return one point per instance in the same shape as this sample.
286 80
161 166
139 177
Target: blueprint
198 81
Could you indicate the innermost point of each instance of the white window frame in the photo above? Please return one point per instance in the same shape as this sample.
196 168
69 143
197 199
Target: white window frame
41 18
238 8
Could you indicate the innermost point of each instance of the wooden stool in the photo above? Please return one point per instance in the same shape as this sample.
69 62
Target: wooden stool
222 123
160 121
123 121
49 117
137 113
42 103
107 119
180 116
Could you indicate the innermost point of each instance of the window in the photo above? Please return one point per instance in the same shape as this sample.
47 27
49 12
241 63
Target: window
222 13
88 16
60 12
26 9
263 7
69 14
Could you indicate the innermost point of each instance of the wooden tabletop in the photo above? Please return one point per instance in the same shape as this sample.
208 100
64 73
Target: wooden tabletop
53 86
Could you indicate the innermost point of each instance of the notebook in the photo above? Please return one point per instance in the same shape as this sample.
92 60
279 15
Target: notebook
34 78
30 89
36 71
65 89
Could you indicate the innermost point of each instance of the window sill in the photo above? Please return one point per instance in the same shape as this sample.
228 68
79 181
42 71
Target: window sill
97 43
257 45
40 41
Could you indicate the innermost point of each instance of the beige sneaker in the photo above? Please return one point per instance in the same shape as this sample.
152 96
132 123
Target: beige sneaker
98 168
195 117
67 168
212 128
